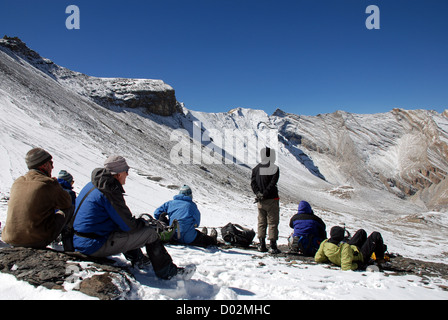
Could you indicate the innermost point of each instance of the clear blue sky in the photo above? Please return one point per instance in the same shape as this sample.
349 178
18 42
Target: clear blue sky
303 56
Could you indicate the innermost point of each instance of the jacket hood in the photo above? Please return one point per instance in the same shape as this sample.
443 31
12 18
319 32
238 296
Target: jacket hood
183 197
104 181
336 234
304 207
65 184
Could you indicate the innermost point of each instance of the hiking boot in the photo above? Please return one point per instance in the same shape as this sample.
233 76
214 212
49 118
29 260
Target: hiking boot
185 273
137 259
214 235
273 247
262 245
204 230
142 263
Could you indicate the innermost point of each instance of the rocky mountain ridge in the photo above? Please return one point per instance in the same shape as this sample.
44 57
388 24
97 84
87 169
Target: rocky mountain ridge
403 151
153 96
347 156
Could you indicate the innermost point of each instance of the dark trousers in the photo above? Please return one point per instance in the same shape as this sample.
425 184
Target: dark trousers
203 240
368 245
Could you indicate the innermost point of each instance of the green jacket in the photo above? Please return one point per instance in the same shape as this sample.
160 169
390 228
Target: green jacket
343 255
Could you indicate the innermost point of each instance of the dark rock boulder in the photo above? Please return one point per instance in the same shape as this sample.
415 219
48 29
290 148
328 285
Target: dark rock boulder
51 269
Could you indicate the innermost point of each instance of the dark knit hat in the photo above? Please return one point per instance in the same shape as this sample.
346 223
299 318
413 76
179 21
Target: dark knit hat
37 157
116 164
337 234
64 175
186 191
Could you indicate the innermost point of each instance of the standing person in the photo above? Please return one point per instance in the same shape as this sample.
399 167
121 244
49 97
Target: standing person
264 181
185 211
105 226
309 230
66 181
38 207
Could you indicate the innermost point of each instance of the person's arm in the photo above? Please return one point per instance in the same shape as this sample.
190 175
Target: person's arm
253 181
320 256
62 200
347 258
163 208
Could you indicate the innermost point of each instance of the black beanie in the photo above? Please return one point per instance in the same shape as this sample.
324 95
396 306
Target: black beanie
337 234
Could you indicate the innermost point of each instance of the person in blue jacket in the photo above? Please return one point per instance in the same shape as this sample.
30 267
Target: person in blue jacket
65 179
309 230
185 211
105 226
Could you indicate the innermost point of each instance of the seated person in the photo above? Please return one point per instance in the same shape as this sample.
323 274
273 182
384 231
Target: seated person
104 225
309 231
354 254
184 210
66 181
38 207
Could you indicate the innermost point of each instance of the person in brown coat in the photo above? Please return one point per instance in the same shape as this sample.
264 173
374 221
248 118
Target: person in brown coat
38 207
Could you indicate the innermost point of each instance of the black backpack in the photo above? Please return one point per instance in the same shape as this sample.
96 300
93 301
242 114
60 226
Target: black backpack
237 235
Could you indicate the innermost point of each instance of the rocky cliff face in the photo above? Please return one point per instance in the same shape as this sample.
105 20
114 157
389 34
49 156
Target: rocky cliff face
341 154
153 96
405 152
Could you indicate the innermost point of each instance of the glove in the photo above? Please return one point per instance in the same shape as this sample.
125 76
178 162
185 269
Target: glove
168 232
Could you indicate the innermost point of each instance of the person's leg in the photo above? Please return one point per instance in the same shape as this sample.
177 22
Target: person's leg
161 260
373 244
262 225
60 221
262 221
121 242
273 217
130 242
203 240
359 238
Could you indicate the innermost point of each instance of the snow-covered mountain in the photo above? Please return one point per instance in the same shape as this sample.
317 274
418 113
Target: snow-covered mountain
380 172
345 155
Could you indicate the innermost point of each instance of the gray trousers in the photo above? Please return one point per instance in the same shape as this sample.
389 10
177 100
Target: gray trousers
268 217
129 243
121 242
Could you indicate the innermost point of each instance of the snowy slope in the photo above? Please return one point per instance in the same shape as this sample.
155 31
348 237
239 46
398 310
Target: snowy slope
38 109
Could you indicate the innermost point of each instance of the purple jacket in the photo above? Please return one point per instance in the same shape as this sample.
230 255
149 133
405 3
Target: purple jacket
306 223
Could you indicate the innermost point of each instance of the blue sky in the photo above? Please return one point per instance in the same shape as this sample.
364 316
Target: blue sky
303 56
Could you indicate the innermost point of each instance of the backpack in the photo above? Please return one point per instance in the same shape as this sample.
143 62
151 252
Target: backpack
162 227
306 245
237 235
68 231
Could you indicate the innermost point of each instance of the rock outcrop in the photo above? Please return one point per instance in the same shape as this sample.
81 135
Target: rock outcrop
153 96
402 151
52 269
